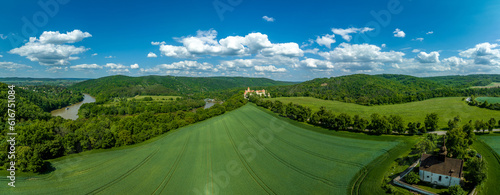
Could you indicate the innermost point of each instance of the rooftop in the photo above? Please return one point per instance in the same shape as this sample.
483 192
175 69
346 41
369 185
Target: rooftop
450 166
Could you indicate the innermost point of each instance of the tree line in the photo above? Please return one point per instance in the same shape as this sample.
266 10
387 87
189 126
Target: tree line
377 124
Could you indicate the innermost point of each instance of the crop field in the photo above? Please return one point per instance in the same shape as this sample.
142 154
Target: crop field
491 100
446 108
491 85
246 151
489 148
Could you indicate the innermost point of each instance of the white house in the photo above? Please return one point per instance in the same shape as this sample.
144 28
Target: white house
441 170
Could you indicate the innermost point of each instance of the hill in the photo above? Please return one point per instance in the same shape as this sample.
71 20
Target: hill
114 86
465 81
382 89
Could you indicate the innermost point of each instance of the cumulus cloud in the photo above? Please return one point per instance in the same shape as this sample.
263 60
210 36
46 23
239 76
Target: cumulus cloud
11 66
418 39
158 43
55 69
326 40
344 33
205 43
134 66
115 66
432 57
269 19
269 68
399 33
483 53
50 49
384 45
312 63
85 66
60 38
94 54
119 71
415 50
186 65
430 33
152 55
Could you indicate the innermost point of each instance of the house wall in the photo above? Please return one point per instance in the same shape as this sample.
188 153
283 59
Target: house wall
433 178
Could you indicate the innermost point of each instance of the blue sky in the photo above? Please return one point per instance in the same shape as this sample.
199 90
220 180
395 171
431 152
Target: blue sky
283 40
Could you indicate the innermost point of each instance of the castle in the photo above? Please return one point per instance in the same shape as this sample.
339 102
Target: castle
261 93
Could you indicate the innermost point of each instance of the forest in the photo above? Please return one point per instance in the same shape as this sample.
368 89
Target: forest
386 89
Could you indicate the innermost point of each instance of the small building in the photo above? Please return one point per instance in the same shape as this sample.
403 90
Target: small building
257 92
441 170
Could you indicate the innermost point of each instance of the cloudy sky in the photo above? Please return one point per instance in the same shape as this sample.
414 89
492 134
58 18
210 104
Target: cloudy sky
283 40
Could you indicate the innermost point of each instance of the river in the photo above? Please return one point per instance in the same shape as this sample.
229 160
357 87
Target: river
71 112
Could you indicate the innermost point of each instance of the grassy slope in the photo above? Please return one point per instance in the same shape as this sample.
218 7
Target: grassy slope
246 151
487 147
491 100
446 108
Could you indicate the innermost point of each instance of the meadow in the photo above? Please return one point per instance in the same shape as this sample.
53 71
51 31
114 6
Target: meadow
491 85
446 108
156 98
489 147
246 151
491 100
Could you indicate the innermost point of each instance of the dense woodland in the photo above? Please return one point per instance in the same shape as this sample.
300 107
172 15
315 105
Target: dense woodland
385 89
124 86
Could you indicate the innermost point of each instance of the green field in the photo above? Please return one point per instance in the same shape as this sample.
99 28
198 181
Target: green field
489 147
446 108
491 100
491 85
246 151
156 98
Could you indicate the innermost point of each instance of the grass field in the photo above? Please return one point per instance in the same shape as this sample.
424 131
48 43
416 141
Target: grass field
246 151
446 108
489 147
156 98
491 85
491 100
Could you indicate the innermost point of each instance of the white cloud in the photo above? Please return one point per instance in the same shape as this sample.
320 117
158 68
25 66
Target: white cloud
269 19
284 49
498 40
205 43
483 53
415 50
55 69
418 39
158 43
51 52
3 36
134 66
1 56
326 40
430 33
115 66
399 33
86 66
344 33
384 45
182 66
110 57
13 66
432 57
119 71
269 68
317 64
94 54
152 55
58 38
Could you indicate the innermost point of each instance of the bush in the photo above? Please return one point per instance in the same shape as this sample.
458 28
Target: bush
412 178
456 190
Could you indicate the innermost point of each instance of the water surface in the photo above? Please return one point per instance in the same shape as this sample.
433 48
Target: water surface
71 112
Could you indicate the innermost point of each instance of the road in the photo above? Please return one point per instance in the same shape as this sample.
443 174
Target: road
444 132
